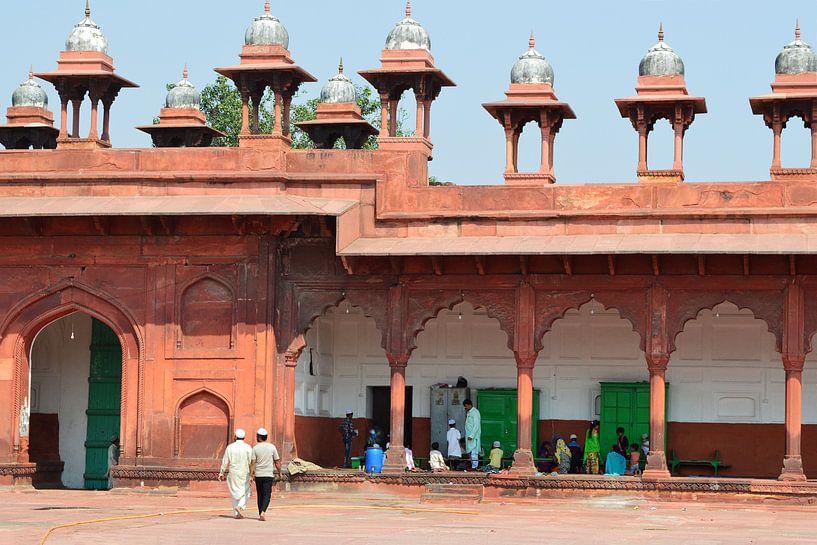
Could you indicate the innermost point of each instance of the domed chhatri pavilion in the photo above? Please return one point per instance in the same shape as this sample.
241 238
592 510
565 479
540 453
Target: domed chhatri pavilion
172 294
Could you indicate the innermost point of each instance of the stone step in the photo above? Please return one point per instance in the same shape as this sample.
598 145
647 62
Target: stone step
452 493
450 499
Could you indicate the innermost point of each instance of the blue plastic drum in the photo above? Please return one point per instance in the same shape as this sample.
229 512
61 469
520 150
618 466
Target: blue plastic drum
374 460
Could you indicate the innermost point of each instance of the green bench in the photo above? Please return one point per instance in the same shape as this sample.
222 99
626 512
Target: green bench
715 463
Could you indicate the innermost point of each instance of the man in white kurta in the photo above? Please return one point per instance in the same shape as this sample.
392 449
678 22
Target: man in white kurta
236 461
473 432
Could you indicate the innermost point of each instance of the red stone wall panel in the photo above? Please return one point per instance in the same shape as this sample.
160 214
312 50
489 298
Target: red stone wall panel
203 430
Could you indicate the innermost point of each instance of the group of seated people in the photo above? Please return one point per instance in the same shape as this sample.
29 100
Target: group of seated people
624 458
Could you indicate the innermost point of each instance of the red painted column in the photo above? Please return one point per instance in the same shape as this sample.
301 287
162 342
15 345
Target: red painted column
418 129
657 458
289 450
286 121
256 113
793 460
395 461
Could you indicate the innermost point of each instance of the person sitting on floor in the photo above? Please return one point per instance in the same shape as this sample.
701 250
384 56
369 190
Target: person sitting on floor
615 464
435 458
545 451
410 459
645 444
562 457
635 459
496 455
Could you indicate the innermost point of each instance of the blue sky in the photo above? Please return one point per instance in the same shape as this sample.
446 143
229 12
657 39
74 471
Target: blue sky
728 46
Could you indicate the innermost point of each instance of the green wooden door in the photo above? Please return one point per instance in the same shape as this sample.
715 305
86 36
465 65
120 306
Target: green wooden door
626 405
497 407
104 403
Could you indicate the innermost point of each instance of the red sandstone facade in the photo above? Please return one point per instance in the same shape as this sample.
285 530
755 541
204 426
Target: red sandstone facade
211 264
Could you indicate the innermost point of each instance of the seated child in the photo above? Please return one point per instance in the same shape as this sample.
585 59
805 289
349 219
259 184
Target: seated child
495 456
635 459
435 458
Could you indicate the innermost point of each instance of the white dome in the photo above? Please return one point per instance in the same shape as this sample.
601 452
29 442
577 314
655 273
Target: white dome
408 34
267 30
339 89
86 35
532 67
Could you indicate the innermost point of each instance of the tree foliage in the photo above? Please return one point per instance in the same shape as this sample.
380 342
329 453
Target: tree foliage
221 104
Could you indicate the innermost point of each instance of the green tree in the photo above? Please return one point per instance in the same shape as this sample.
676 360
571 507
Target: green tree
221 104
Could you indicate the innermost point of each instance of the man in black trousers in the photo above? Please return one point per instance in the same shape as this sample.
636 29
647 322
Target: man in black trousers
266 462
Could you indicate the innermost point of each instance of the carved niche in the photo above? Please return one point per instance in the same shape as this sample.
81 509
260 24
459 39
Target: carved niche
202 426
207 312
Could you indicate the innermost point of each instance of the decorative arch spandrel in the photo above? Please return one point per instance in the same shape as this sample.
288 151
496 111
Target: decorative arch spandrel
684 305
426 305
312 303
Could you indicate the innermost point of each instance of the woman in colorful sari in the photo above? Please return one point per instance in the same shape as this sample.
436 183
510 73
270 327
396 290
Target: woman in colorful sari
591 449
562 456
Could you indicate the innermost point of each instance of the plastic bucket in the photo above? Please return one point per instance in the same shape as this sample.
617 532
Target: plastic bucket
374 460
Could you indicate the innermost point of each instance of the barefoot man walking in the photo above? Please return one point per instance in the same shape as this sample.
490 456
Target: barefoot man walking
237 459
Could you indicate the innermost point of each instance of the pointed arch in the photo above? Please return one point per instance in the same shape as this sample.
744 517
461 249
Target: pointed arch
204 424
214 297
22 323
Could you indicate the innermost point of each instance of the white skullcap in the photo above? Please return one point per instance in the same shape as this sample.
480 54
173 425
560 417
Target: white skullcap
452 421
261 431
496 444
240 434
350 411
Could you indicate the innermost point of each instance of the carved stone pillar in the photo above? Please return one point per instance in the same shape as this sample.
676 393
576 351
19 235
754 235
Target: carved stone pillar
657 458
395 461
777 130
510 151
278 127
256 113
813 140
523 456
289 450
544 125
393 106
384 115
63 117
77 102
642 147
106 119
793 460
678 160
92 133
285 120
418 128
245 112
427 116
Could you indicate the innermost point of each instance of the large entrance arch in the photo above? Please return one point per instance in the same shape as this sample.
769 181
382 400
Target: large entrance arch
17 333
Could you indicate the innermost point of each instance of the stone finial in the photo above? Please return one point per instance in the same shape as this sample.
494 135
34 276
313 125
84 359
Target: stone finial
532 41
408 9
31 72
797 30
340 66
266 7
184 73
660 32
87 8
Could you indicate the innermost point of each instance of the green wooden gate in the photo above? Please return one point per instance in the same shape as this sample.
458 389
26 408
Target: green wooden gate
104 403
626 405
497 407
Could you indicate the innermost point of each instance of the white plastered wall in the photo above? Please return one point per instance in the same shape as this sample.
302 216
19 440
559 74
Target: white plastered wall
59 385
725 368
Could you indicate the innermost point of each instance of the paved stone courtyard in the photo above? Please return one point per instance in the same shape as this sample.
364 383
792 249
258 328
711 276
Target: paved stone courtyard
25 517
